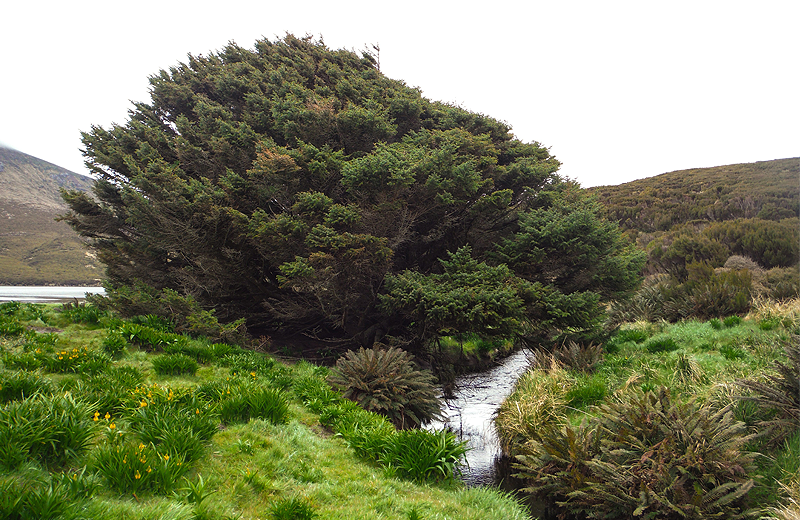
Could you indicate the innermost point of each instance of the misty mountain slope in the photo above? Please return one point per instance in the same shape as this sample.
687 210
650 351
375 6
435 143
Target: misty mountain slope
34 248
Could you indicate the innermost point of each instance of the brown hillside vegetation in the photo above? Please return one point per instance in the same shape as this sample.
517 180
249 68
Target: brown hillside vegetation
716 238
768 190
34 248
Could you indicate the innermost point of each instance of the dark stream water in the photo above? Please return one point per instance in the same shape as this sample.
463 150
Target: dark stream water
470 412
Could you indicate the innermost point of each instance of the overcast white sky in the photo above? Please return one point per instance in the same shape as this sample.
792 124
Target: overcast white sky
619 90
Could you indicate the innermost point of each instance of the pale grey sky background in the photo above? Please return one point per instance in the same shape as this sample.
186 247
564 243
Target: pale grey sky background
619 90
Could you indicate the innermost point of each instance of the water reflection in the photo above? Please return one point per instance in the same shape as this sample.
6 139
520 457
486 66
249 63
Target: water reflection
470 411
44 294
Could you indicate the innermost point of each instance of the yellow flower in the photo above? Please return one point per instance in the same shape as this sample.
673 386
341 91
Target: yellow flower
137 475
253 374
197 411
95 418
107 416
112 426
143 404
149 469
166 457
141 446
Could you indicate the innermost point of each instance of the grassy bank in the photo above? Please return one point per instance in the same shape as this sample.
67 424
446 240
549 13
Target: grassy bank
108 419
588 401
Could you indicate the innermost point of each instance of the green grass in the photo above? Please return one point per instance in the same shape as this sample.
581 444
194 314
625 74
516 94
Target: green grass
292 446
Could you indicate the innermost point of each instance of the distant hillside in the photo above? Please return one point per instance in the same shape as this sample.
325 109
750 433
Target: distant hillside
34 248
715 237
768 190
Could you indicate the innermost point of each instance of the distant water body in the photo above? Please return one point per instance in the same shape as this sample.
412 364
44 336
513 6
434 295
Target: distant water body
45 294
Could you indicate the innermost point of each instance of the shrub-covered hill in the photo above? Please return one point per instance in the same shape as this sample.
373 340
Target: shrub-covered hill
768 190
715 238
34 248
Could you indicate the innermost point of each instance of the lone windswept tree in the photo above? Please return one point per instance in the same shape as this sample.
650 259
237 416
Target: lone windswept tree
299 187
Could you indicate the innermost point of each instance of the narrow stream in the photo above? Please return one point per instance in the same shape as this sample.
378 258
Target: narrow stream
470 412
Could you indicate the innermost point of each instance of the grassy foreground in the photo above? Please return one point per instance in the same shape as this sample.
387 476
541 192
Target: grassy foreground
110 419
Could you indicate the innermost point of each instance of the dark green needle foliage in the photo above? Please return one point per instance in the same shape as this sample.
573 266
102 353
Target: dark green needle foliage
296 186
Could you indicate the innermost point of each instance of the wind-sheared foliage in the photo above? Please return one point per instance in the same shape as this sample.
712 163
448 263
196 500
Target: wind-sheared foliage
296 185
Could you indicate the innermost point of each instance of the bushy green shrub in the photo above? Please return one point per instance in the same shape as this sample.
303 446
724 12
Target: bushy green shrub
732 321
114 344
291 509
174 364
135 468
422 455
254 402
387 382
661 344
183 313
52 429
715 324
82 312
16 385
178 423
645 456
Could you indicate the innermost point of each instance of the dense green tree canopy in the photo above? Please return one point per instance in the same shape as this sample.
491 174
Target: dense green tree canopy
299 187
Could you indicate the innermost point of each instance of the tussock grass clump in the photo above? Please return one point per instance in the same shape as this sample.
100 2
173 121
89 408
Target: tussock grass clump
779 391
586 390
785 313
254 402
536 404
790 508
387 381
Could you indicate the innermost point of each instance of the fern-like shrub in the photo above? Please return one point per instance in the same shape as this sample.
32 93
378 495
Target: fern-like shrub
779 391
644 457
389 383
582 358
